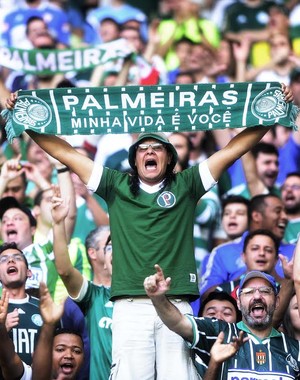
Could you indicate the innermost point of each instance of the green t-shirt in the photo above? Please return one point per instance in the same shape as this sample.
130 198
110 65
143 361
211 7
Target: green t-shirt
292 231
97 308
207 225
40 259
151 229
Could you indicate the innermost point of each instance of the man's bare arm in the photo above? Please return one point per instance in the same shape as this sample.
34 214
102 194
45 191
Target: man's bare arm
156 287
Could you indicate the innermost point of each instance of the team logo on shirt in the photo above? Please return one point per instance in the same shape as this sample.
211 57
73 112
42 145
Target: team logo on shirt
292 362
37 319
269 105
32 112
261 357
166 199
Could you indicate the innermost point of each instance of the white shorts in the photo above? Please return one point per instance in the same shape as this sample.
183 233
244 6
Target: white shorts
143 348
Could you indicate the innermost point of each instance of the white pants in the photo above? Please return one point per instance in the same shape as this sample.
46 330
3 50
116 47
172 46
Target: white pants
143 348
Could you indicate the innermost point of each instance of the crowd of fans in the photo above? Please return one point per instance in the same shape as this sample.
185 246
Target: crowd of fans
248 221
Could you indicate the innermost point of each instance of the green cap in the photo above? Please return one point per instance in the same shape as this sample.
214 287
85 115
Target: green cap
159 136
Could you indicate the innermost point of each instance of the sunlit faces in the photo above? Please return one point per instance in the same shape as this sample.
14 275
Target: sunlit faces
108 252
13 269
38 34
235 219
67 356
260 254
152 164
100 246
294 315
132 35
273 216
280 47
180 142
16 188
257 309
290 194
15 227
109 30
37 156
43 210
267 168
220 309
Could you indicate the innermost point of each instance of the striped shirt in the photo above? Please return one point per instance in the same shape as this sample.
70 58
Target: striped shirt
275 357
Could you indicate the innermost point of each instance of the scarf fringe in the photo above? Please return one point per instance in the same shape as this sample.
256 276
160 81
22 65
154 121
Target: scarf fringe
293 116
10 132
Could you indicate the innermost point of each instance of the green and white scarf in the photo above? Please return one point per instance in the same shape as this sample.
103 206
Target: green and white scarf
135 109
51 61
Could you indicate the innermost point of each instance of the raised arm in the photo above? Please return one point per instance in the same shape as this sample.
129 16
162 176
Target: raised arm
51 314
70 276
286 290
296 272
10 363
59 149
65 153
156 287
240 144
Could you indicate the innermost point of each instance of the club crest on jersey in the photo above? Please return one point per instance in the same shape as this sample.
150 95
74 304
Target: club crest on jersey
166 199
292 362
37 319
261 357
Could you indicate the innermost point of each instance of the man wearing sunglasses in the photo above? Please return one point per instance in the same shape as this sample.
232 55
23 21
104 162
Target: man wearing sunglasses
151 215
267 354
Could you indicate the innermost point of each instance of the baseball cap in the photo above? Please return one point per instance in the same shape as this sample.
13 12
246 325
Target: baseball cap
258 274
159 136
295 75
7 203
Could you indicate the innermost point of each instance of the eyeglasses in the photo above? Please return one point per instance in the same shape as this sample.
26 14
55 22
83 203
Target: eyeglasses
157 147
290 187
108 248
16 257
263 290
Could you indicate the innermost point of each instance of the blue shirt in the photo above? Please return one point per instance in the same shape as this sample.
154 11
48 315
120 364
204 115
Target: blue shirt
225 263
14 24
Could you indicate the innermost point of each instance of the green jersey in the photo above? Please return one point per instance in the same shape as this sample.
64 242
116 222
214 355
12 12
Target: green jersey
207 225
276 357
40 259
152 228
97 308
292 231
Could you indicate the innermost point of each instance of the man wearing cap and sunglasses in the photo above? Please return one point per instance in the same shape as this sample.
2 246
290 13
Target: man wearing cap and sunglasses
265 350
151 219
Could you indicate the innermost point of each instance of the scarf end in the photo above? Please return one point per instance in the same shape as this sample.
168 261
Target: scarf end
10 133
293 116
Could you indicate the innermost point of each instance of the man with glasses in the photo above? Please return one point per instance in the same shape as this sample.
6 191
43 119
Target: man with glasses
93 297
267 351
290 194
151 218
24 320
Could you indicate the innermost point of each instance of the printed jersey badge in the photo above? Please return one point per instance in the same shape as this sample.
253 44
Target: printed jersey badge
261 357
166 199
